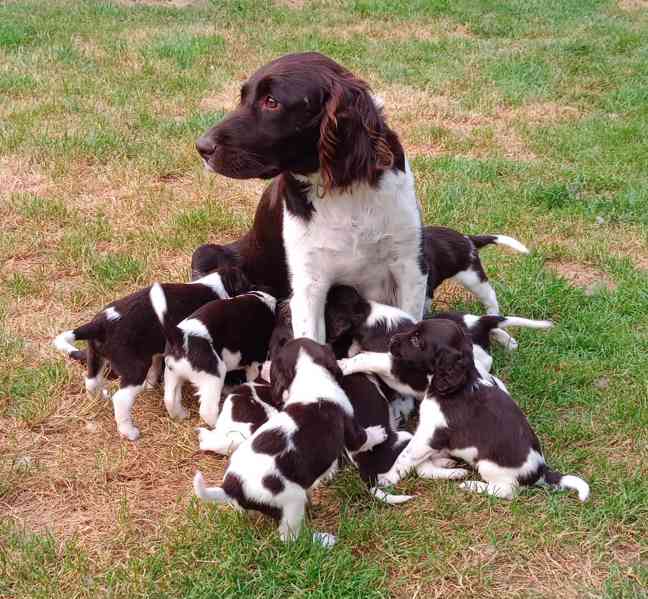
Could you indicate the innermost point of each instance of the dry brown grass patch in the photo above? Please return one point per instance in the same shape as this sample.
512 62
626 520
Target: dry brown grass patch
582 275
87 482
17 175
633 5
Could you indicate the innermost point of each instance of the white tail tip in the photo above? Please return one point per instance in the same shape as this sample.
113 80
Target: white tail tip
64 341
577 484
387 498
158 301
514 244
517 321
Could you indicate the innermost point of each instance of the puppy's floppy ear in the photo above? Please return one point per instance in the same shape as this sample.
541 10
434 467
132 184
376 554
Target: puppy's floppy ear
282 373
450 370
235 281
326 358
353 136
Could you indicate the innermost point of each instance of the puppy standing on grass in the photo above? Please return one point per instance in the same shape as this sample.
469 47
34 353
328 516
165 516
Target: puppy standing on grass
452 255
274 470
127 336
220 336
462 416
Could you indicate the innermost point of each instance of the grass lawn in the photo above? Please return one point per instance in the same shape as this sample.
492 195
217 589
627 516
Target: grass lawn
524 118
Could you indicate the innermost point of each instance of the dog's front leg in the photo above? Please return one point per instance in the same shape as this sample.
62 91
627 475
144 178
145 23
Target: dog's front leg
411 284
307 308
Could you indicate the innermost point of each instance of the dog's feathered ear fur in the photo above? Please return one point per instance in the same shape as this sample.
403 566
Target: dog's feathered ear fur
234 280
450 368
353 143
282 373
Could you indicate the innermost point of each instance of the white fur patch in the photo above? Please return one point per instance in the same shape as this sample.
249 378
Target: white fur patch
267 299
215 282
112 314
390 315
158 301
514 244
192 327
64 341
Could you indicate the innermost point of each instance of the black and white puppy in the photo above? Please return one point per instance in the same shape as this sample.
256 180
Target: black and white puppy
211 256
482 328
241 412
274 470
126 336
452 255
220 336
464 416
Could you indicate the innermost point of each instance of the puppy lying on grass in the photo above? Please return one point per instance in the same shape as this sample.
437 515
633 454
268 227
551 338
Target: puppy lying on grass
275 469
126 337
462 415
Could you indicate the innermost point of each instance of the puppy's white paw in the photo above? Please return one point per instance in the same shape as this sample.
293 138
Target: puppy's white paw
180 413
345 366
325 539
130 432
432 470
375 435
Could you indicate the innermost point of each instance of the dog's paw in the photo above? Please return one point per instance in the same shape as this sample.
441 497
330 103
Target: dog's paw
375 435
345 366
130 432
180 413
325 539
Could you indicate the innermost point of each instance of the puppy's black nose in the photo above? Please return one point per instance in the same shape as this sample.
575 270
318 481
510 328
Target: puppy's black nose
205 146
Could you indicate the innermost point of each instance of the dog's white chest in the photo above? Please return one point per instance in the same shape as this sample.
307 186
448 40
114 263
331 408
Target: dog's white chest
355 237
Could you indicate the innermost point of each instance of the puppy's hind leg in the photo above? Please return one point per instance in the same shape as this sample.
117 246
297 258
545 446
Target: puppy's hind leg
153 375
477 282
173 393
431 469
501 490
95 380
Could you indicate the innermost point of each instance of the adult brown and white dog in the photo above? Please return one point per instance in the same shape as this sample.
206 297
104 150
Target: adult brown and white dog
342 206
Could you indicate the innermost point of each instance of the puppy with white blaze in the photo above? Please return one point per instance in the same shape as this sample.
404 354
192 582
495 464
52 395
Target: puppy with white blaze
127 337
464 416
275 469
220 336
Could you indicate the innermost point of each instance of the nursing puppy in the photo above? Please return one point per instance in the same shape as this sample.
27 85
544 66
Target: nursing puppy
241 412
211 256
465 416
372 401
126 336
273 471
452 255
220 336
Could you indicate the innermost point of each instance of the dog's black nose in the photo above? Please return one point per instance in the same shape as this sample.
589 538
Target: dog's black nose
205 146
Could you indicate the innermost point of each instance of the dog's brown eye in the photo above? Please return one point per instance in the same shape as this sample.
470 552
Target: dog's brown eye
416 341
270 103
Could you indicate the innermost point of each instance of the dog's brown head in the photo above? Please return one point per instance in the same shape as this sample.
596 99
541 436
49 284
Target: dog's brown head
303 113
285 363
442 349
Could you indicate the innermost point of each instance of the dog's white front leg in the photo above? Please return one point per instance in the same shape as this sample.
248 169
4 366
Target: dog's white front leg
411 286
307 308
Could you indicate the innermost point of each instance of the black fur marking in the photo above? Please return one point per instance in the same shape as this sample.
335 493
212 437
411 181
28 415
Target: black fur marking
270 442
273 483
233 486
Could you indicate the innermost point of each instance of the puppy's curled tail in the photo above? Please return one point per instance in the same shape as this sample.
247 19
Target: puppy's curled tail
64 342
388 498
482 240
567 481
172 333
215 494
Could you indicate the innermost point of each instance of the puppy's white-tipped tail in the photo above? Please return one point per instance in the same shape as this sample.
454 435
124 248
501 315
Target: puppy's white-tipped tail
387 498
514 244
206 493
158 301
567 481
64 341
517 321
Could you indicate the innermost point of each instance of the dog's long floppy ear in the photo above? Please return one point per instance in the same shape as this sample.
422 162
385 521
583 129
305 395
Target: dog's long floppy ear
282 373
450 370
353 143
